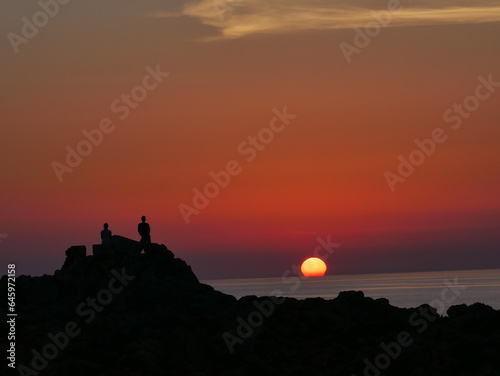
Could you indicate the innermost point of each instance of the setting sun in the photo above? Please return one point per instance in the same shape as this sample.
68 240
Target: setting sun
313 267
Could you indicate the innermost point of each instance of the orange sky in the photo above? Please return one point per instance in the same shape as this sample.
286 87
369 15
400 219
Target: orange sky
322 175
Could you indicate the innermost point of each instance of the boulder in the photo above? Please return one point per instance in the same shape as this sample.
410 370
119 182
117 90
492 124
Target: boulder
120 246
75 257
126 245
76 251
101 250
158 249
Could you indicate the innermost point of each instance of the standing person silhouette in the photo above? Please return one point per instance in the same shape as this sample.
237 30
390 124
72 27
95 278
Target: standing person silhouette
106 235
144 230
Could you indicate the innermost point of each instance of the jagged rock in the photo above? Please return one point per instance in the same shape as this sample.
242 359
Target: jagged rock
76 251
103 250
158 249
351 296
126 245
120 245
457 310
75 256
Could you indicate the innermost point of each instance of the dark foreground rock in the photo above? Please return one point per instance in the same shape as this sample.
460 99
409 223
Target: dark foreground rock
121 312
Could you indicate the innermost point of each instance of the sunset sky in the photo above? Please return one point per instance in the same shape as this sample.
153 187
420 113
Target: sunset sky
207 75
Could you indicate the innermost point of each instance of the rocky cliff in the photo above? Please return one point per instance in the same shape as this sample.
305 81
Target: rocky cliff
123 312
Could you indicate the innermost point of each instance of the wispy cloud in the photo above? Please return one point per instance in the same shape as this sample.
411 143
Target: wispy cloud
280 16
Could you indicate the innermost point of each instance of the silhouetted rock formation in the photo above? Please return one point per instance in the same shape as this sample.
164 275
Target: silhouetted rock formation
121 312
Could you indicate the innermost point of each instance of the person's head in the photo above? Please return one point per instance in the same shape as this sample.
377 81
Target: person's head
143 218
105 226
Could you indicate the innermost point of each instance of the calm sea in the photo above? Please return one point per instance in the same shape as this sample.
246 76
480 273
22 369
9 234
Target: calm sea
402 289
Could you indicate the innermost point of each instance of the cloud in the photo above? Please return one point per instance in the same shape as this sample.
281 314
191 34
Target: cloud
236 19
